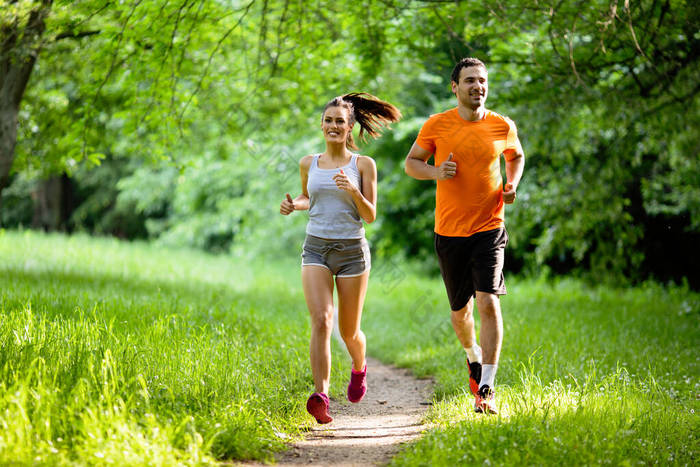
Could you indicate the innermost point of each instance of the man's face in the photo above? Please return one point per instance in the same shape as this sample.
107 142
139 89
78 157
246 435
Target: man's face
473 86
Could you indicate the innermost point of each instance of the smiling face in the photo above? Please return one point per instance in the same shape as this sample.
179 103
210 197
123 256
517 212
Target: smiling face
336 124
472 88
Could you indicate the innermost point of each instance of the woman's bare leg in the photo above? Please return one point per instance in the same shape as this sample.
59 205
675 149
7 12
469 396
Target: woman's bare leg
318 291
351 299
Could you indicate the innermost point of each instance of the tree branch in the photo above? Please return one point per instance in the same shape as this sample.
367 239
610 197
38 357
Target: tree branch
74 35
211 57
112 67
31 39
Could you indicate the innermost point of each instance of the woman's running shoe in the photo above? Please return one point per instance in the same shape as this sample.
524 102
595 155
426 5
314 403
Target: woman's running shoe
317 405
358 385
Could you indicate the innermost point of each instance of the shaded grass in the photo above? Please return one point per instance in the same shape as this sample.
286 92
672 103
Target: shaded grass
128 354
587 375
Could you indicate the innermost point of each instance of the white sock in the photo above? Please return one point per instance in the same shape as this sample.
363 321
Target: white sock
474 353
488 375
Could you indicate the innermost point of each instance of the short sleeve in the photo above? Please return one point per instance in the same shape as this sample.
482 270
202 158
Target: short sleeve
513 146
426 136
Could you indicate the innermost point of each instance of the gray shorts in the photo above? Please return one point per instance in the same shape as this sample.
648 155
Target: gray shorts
343 257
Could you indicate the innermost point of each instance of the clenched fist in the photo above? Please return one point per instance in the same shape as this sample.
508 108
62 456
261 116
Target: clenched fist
508 193
343 182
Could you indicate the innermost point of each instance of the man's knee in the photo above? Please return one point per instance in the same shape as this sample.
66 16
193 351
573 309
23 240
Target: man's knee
464 314
488 303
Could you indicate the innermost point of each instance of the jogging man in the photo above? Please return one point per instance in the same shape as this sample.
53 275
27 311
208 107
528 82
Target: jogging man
470 236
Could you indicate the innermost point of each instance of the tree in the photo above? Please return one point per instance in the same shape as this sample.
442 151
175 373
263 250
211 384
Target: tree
22 26
604 92
613 89
148 67
605 95
136 65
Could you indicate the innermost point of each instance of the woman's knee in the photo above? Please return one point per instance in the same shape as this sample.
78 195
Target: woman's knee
350 335
322 319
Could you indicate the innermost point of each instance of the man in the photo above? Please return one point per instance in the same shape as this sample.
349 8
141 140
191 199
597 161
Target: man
470 236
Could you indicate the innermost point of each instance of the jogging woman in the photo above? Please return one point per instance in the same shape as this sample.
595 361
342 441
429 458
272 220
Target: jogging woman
339 189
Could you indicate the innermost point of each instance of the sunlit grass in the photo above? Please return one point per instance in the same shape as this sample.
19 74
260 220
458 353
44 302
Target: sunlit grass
588 375
127 354
613 422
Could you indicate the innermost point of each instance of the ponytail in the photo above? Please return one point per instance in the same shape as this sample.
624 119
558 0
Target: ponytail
370 112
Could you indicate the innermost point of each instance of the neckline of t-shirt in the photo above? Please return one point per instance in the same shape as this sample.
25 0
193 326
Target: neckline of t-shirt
486 114
318 156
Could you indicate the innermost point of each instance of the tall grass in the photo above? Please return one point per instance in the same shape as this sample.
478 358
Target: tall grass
588 375
128 354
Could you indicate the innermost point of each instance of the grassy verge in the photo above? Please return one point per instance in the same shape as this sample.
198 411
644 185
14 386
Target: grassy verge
132 355
587 375
126 354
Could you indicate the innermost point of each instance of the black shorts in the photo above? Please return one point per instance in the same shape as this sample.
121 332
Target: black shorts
470 264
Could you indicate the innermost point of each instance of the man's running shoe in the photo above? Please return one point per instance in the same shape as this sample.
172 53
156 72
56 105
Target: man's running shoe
358 385
317 405
485 401
474 376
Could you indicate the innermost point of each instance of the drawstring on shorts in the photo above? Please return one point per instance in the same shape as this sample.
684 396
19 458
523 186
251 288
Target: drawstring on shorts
330 247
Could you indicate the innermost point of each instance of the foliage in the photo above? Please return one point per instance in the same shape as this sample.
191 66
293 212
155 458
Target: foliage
187 98
598 163
605 99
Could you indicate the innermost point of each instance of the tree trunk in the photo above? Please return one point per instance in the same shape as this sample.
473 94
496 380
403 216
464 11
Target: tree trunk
19 48
8 138
53 204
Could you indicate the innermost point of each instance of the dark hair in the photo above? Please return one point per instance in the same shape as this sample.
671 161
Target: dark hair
465 63
370 112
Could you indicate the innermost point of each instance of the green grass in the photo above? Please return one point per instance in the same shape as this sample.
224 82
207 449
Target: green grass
125 353
588 375
130 354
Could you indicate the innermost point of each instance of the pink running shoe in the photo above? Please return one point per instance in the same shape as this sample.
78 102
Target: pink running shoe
317 405
358 385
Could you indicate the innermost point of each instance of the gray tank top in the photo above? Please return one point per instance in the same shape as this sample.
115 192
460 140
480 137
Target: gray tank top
332 212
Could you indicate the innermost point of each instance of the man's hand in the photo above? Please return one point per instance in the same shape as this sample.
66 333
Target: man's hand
508 193
447 169
287 206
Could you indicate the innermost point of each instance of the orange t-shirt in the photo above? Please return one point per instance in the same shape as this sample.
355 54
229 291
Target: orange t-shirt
472 200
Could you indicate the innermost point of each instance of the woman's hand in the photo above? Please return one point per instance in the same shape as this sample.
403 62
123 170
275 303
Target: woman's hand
287 206
343 182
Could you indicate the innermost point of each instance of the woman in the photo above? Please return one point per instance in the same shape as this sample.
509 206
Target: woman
339 189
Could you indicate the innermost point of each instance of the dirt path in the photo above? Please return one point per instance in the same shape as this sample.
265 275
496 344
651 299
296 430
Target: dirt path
372 431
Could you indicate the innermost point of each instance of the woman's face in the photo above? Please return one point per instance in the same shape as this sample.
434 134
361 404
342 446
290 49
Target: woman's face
336 124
